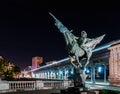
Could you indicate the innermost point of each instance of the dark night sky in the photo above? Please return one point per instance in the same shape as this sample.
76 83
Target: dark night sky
27 30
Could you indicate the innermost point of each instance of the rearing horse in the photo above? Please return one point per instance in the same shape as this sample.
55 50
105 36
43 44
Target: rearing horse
75 50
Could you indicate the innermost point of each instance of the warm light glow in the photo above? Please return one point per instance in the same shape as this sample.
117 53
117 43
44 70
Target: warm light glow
27 76
72 59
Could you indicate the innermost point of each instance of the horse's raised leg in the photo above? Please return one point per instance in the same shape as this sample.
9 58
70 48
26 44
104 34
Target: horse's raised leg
78 61
89 54
87 62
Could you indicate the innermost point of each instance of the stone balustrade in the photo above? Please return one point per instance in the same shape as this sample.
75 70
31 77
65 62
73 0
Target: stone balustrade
21 85
32 85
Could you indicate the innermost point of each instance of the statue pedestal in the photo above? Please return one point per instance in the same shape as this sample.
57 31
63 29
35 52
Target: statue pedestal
78 80
92 92
78 90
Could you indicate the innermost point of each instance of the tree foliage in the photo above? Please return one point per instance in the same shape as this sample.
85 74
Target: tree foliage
8 70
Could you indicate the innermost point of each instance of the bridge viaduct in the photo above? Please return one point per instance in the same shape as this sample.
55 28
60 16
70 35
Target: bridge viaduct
107 56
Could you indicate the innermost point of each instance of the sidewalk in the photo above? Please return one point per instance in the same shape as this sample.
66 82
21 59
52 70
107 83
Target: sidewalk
49 91
100 83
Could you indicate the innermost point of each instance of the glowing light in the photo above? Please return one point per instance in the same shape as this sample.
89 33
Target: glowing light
100 69
87 70
61 72
72 72
73 59
66 71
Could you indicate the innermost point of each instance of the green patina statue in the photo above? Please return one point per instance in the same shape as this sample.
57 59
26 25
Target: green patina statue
79 48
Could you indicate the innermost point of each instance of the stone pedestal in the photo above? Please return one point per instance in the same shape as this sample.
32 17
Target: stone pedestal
78 80
76 90
114 64
92 92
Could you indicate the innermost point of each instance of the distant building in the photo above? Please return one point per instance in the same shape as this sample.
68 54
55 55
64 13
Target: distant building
36 61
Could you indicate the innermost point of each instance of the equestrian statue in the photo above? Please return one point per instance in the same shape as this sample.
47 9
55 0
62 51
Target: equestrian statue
79 48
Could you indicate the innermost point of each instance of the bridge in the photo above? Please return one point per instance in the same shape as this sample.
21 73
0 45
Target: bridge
103 72
104 64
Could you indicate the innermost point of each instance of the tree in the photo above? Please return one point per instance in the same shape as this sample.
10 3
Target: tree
7 69
4 64
16 71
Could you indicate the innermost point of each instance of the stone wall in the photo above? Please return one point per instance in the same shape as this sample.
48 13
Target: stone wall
4 85
114 64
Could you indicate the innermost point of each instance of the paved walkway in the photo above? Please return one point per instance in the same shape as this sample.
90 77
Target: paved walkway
100 85
50 91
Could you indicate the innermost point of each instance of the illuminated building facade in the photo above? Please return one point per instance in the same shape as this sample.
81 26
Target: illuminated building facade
36 61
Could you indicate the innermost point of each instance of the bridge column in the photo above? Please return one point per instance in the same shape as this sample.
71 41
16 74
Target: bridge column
66 72
61 74
45 74
93 73
32 75
55 73
104 73
48 74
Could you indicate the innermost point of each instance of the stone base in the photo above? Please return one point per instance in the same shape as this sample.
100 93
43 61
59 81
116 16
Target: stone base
114 81
76 90
90 92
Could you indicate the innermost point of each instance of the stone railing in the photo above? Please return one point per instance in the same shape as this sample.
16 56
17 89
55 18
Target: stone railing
49 84
22 85
9 86
4 85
